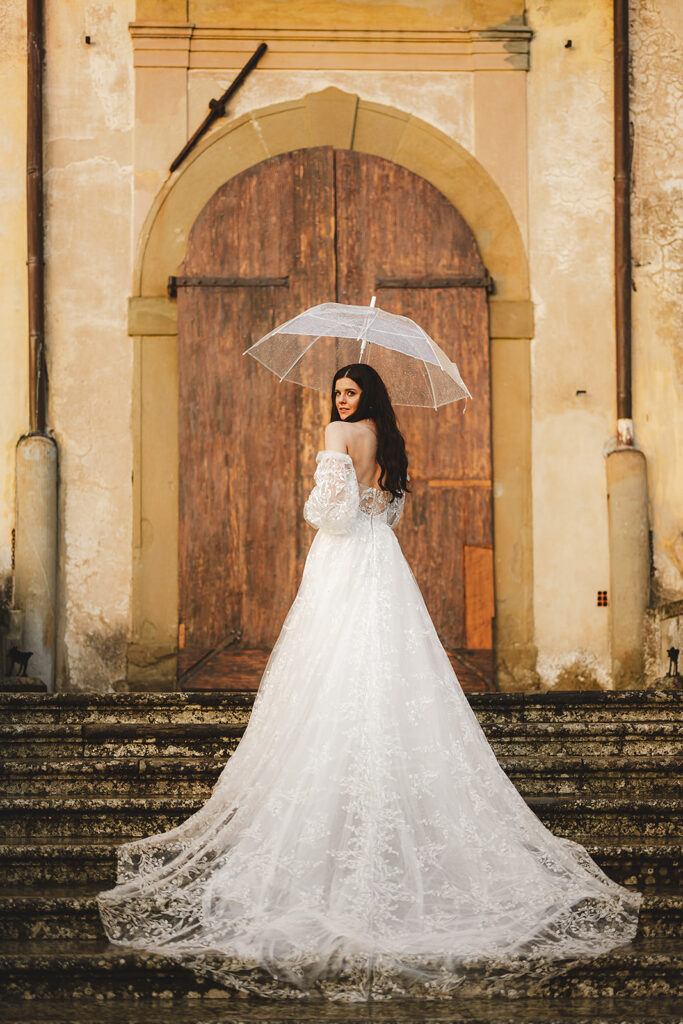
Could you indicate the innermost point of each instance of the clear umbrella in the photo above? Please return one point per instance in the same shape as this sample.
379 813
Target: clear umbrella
310 348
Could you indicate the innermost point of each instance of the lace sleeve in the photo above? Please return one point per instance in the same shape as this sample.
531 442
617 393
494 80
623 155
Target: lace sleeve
395 511
332 505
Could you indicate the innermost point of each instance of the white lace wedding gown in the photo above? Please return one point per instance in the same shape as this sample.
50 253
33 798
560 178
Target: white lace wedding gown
363 840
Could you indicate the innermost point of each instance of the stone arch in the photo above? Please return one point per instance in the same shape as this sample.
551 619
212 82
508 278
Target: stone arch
342 120
333 118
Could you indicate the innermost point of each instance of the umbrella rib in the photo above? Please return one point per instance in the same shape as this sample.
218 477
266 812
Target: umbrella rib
431 385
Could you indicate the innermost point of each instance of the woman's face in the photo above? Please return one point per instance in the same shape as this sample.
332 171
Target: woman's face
346 396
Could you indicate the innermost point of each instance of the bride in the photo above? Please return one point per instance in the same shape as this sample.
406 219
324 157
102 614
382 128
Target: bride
363 840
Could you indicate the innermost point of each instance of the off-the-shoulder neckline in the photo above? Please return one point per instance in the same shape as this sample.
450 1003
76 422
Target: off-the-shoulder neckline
336 455
345 455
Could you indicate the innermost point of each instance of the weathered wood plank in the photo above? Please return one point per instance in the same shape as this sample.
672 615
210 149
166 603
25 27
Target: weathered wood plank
479 604
239 458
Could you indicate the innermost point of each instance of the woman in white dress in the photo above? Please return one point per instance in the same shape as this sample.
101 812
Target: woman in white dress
363 840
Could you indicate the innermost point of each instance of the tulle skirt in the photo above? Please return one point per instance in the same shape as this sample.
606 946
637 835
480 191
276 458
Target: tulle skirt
363 840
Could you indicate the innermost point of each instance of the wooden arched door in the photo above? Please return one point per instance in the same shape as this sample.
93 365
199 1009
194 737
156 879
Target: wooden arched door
312 226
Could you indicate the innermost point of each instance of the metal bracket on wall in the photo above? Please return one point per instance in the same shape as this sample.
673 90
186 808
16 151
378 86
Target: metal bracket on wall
174 283
453 281
217 107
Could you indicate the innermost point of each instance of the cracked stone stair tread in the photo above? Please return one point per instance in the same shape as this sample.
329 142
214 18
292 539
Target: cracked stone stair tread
70 912
49 952
139 816
206 728
91 730
668 764
217 1011
534 776
35 801
43 802
655 706
60 860
84 895
645 967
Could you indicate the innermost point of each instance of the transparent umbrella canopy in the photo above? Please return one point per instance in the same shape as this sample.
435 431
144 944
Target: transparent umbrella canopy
310 348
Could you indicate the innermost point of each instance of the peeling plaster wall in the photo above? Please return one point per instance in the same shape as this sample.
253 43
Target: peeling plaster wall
571 247
14 329
443 100
657 228
89 246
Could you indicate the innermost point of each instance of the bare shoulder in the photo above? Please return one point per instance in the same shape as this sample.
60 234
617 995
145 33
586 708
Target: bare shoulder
337 436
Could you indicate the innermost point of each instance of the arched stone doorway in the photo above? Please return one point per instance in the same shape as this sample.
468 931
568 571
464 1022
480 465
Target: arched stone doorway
334 119
309 226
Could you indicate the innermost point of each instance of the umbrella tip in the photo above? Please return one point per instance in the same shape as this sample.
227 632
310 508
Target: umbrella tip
374 298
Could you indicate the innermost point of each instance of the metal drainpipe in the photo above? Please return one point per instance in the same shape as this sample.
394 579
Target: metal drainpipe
622 223
35 576
627 497
34 214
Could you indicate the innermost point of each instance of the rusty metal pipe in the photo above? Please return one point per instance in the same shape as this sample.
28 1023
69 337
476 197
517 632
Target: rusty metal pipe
622 223
34 215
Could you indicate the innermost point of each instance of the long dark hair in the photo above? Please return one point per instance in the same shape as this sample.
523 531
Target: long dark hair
375 404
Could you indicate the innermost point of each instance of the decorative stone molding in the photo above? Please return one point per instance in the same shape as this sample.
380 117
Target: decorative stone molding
333 117
220 48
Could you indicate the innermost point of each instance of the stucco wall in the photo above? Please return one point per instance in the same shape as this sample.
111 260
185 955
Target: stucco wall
657 227
89 245
571 257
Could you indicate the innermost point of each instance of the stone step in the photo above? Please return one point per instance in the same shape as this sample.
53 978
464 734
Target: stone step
57 970
216 739
560 1010
111 739
594 775
27 916
610 816
649 864
194 776
234 707
583 739
141 816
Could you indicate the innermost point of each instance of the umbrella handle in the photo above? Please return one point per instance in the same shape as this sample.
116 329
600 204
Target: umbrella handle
364 342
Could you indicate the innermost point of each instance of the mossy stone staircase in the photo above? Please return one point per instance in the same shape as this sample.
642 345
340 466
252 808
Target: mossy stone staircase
81 772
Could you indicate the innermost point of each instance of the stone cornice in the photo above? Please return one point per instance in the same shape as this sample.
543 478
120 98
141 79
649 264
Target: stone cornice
206 47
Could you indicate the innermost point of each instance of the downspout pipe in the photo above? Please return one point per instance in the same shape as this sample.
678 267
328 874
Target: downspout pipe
34 215
627 495
35 574
622 223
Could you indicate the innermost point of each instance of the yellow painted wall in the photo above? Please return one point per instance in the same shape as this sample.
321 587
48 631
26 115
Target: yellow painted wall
571 256
657 228
89 247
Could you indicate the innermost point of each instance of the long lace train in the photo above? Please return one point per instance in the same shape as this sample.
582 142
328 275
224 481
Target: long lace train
363 840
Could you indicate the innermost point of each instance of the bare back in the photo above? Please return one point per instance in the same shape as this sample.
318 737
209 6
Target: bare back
359 440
